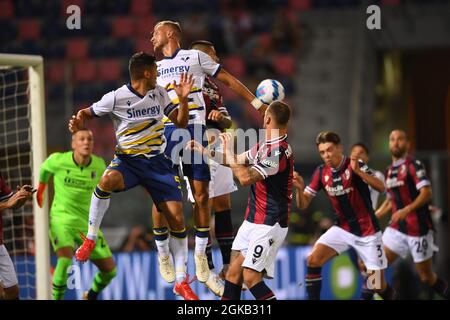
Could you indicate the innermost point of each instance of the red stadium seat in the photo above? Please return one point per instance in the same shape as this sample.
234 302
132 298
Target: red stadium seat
29 29
85 71
110 70
143 44
300 5
55 71
235 65
141 7
77 49
67 3
6 9
123 27
144 26
284 64
265 40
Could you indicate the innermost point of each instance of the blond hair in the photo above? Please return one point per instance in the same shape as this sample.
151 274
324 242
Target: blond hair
174 25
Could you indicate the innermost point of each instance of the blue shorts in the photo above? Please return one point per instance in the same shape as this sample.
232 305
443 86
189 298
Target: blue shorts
157 175
195 168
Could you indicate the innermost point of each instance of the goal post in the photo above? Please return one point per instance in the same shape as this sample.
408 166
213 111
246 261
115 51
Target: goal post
35 66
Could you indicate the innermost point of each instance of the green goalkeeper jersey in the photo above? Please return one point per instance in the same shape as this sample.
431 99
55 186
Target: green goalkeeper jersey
73 186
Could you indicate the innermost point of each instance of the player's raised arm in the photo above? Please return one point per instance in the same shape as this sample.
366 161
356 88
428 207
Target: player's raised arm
180 116
234 84
76 123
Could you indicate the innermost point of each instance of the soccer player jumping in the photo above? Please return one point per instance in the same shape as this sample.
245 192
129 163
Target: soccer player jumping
137 110
166 40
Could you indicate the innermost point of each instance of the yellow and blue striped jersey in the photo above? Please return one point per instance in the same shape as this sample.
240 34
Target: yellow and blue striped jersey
192 62
137 119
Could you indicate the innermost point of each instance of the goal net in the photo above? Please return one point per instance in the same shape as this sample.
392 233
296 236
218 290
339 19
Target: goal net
22 150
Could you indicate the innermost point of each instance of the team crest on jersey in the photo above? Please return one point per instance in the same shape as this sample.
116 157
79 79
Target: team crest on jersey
93 174
402 169
347 174
326 178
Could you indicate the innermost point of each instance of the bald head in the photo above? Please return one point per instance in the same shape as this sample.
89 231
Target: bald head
398 143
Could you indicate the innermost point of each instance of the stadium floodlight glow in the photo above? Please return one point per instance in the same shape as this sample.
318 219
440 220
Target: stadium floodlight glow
23 138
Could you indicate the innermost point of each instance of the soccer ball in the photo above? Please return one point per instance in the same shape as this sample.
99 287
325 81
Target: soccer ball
270 90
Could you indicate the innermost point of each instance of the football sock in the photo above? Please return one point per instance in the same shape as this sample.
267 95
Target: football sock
224 233
60 278
162 241
232 291
313 282
99 204
262 292
179 248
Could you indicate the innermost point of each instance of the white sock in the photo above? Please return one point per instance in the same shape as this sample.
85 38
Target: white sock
163 247
179 249
200 245
96 213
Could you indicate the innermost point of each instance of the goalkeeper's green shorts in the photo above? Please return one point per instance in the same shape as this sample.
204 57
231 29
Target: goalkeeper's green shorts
67 236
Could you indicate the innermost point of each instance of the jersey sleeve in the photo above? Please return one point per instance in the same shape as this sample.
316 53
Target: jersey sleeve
316 183
419 174
166 102
275 161
5 190
251 153
105 105
49 167
208 65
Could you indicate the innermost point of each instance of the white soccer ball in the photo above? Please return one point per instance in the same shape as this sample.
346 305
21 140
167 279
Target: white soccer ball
270 90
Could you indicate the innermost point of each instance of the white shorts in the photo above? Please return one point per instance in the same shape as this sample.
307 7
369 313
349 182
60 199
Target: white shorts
259 244
221 183
421 248
370 248
8 276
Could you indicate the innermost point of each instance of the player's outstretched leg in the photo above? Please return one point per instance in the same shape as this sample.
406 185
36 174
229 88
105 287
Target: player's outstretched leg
429 277
317 258
111 180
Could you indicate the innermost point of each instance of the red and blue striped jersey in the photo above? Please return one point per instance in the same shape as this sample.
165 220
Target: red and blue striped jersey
404 179
270 199
213 101
349 196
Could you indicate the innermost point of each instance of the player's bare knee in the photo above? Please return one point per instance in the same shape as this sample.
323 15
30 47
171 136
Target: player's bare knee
201 198
111 181
250 277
